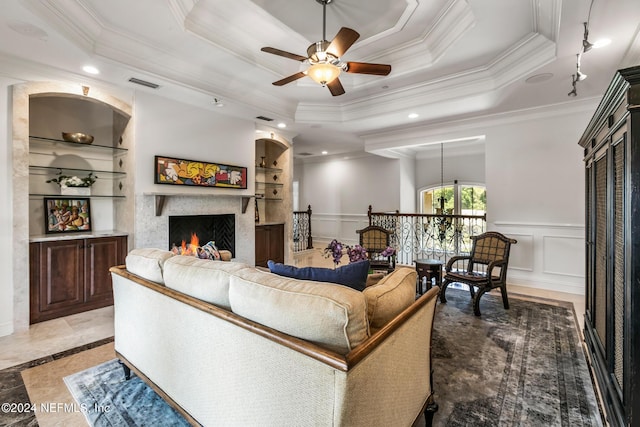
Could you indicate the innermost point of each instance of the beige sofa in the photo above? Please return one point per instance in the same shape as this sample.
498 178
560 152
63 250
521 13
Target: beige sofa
231 345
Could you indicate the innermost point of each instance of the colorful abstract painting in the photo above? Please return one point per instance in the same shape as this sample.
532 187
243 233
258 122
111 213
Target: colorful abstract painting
170 170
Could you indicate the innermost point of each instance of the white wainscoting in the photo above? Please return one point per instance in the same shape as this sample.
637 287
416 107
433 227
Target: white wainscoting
547 256
343 227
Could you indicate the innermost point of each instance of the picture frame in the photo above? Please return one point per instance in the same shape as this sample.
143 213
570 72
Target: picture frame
196 173
67 215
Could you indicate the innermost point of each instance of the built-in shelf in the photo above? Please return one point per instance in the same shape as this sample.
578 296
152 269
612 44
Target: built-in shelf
270 184
52 170
102 196
75 145
269 170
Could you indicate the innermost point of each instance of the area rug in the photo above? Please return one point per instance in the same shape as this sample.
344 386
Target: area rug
519 367
107 399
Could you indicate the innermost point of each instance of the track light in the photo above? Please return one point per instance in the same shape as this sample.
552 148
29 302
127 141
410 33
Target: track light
580 76
573 92
586 46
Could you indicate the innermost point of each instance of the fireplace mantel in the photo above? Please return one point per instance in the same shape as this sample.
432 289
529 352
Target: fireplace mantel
160 198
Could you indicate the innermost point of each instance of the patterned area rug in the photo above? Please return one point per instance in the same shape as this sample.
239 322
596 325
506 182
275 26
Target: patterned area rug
519 367
107 399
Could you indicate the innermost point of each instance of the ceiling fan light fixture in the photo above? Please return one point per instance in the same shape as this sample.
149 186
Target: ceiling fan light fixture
323 73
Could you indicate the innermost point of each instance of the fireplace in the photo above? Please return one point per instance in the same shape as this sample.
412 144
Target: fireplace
219 228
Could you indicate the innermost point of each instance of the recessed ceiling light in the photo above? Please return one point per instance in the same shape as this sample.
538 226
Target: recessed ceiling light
414 115
282 125
90 69
601 43
325 152
539 78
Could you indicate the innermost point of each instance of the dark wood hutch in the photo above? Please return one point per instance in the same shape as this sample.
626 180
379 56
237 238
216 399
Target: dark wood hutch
611 145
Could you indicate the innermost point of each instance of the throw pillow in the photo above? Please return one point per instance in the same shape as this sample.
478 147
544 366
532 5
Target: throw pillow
353 275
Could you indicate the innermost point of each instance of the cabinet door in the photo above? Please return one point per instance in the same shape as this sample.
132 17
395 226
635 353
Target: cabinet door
60 282
276 243
269 244
102 254
262 246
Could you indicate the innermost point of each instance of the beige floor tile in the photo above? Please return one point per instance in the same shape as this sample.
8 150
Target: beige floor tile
47 391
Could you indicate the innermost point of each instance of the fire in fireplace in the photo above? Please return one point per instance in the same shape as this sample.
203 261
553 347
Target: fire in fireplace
218 228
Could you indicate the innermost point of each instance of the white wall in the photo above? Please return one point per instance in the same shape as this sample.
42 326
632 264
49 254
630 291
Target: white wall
407 179
535 194
6 215
168 128
466 168
341 190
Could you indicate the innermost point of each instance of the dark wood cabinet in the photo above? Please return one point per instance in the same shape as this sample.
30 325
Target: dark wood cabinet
269 244
71 276
611 145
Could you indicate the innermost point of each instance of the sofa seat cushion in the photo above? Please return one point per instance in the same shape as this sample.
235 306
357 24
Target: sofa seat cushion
148 263
330 316
353 275
390 296
201 278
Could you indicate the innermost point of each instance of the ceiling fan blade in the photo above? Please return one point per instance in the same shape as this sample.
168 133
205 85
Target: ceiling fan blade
335 87
367 68
279 52
342 41
289 79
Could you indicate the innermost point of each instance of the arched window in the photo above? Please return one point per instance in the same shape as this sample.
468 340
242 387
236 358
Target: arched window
460 199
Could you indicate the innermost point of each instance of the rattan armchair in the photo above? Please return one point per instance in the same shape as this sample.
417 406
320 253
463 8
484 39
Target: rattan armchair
484 268
375 240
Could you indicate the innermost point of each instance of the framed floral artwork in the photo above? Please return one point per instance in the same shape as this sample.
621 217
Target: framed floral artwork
174 171
67 214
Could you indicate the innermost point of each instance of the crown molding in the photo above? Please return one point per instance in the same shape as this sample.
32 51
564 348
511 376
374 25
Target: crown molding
470 128
478 88
79 23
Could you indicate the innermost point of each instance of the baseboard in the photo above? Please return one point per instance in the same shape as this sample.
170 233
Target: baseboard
568 288
6 329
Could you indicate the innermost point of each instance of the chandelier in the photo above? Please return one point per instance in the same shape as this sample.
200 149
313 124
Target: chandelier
443 220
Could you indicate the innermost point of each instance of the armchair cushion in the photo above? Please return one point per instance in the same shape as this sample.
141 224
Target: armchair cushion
353 275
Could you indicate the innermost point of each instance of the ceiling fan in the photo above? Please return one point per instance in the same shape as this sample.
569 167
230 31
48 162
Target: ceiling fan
324 58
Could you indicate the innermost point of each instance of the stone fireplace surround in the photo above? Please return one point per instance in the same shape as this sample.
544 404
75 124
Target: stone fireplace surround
153 231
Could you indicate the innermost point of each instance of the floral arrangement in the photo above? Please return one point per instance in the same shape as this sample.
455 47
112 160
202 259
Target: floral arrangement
74 181
389 251
334 249
356 253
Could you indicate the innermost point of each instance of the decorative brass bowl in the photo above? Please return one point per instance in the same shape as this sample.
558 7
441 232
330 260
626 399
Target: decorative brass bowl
78 137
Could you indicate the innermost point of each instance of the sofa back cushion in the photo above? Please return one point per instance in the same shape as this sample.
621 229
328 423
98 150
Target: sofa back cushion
353 275
390 296
148 263
200 278
329 315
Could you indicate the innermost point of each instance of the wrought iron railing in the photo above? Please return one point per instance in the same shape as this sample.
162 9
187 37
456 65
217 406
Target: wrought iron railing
302 239
418 236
